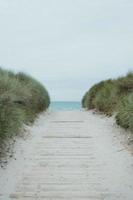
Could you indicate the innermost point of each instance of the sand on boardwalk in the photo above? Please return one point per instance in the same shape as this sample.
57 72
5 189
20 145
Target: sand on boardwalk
69 155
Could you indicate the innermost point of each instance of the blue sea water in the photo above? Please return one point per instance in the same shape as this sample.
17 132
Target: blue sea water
64 105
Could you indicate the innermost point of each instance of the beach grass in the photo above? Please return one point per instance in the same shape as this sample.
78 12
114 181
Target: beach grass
22 98
113 96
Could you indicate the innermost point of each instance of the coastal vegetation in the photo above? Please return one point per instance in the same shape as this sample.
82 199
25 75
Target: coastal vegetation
113 96
22 98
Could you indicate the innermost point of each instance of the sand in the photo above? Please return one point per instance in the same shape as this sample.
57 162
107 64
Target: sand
72 155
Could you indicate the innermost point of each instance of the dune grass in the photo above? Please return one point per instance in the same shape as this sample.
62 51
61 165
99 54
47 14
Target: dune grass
21 99
124 116
113 96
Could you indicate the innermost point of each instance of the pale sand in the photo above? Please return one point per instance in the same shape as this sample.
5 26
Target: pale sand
72 155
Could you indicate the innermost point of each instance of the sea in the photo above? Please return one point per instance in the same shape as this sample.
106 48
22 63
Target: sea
65 105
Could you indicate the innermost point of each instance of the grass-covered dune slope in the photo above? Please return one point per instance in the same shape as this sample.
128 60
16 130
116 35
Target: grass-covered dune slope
113 96
21 99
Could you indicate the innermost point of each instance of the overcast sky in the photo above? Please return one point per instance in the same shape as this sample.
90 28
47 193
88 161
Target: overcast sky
67 44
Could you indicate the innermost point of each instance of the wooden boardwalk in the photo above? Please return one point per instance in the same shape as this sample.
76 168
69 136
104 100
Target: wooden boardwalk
74 158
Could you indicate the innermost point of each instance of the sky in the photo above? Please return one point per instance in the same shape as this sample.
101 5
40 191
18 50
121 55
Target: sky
68 45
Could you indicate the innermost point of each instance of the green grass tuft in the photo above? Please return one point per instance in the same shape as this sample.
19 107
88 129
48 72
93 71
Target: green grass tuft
113 96
21 99
124 116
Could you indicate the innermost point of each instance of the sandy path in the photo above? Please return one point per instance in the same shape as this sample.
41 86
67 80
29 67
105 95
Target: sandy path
69 155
